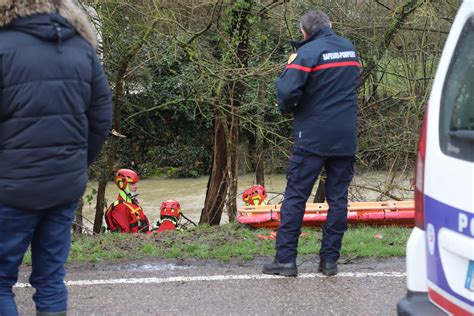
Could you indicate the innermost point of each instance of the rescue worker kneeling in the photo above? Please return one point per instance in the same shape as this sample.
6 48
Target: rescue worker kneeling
125 215
170 214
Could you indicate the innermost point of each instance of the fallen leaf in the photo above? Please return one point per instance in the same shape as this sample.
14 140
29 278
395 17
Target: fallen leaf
273 234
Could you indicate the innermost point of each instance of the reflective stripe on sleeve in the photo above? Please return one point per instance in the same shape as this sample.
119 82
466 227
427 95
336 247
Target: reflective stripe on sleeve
324 66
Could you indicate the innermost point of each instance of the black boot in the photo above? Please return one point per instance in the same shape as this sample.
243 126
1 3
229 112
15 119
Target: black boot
284 269
327 268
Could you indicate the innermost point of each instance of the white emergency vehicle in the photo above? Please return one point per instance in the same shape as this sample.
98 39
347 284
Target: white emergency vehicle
440 250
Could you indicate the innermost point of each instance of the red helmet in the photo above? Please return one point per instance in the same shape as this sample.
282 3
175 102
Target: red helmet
255 195
124 177
170 208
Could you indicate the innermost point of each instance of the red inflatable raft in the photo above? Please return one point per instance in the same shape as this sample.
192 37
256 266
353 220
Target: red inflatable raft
399 213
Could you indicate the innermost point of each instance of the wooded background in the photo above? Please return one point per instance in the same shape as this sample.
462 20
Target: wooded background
193 85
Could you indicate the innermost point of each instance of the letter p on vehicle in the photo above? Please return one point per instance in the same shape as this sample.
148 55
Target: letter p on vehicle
463 221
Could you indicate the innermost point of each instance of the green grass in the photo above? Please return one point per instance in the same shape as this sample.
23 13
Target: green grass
362 242
228 242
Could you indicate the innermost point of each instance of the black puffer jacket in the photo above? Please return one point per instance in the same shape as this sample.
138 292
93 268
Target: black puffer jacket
55 111
320 87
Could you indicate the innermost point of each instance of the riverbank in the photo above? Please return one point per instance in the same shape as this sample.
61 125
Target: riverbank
228 242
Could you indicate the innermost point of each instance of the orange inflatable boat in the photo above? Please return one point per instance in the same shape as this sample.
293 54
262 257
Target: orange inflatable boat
398 213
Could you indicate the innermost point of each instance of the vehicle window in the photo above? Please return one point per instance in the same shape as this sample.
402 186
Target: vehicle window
457 102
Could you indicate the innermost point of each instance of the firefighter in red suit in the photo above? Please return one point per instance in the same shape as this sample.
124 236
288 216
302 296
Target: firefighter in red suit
125 215
170 214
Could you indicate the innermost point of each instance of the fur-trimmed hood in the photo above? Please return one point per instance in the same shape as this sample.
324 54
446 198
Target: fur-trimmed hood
70 10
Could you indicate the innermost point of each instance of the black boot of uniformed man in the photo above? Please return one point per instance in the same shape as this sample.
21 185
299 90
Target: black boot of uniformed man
327 268
284 269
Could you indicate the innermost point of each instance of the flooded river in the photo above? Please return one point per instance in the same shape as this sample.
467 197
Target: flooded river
191 192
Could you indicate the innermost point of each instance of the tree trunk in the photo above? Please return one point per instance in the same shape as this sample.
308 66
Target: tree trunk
320 195
78 222
240 32
222 185
217 186
260 167
232 179
107 170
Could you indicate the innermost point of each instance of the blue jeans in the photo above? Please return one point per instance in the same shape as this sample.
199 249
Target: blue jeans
49 233
302 171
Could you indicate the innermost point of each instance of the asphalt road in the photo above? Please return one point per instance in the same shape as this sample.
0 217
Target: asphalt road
365 287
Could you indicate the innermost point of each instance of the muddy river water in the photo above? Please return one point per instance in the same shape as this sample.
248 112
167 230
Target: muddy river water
192 192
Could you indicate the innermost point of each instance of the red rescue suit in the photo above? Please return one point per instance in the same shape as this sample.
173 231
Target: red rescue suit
168 223
126 217
170 213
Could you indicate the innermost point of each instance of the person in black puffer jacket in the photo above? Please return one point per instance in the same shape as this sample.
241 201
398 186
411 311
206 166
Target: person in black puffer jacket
55 114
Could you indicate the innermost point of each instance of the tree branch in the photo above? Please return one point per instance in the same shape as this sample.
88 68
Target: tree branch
403 12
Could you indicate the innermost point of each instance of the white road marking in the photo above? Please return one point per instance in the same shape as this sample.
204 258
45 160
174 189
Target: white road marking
222 278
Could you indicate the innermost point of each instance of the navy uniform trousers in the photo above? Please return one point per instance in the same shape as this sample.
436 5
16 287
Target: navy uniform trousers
302 171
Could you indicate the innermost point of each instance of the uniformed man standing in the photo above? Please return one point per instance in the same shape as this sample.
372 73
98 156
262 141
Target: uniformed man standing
319 86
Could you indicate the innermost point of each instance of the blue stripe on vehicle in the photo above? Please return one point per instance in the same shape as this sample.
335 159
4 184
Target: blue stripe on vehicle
442 215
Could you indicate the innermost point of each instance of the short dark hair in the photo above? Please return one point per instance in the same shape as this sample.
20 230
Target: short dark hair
313 21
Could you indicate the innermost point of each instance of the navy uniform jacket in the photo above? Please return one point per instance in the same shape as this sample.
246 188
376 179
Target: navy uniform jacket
320 88
55 112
